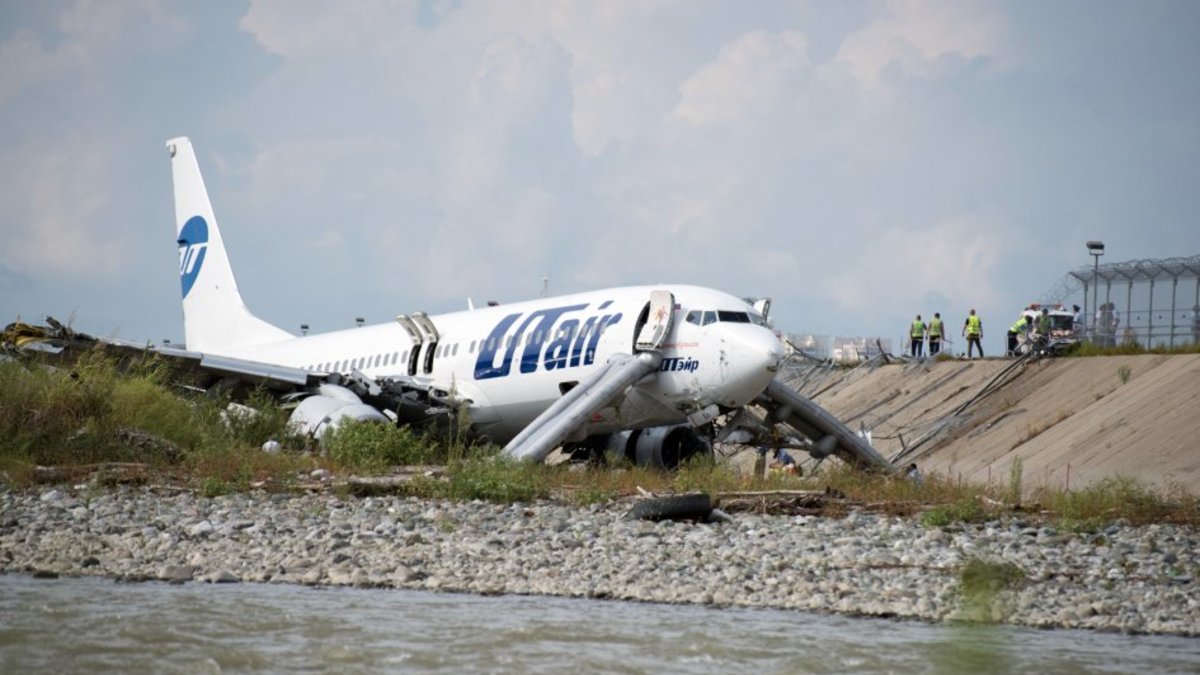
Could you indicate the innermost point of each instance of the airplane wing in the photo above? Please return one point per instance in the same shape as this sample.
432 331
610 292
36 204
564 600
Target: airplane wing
328 397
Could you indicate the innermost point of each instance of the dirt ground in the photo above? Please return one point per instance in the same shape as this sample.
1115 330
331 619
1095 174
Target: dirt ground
1071 421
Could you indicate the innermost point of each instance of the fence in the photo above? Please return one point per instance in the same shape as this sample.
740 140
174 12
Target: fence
1161 302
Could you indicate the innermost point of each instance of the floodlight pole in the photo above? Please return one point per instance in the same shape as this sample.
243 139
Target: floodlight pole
1095 249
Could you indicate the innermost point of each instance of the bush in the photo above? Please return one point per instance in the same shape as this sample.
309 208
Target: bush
498 479
374 447
964 511
979 583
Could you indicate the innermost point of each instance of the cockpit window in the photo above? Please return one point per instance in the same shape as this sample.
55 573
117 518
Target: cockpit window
704 318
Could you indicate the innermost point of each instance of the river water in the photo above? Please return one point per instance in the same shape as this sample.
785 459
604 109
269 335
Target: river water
95 625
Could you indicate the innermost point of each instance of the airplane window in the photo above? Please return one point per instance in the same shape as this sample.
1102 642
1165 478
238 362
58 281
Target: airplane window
472 349
693 317
455 349
757 319
709 317
733 317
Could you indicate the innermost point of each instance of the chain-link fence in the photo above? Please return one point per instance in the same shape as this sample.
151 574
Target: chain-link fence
1149 302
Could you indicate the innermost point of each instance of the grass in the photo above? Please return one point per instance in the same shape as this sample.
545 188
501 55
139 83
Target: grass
95 413
1132 349
1123 373
980 582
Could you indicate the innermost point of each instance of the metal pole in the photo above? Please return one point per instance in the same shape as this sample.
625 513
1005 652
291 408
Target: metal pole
1085 309
1129 307
1150 317
1114 339
1174 285
1095 292
1195 312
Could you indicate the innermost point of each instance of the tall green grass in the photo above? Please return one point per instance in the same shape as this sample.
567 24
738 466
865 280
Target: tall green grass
1132 349
94 412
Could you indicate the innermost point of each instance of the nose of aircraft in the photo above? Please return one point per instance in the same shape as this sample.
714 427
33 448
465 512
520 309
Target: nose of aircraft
754 355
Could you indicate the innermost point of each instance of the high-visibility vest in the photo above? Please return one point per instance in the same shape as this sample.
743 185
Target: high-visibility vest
918 329
1018 327
973 325
935 328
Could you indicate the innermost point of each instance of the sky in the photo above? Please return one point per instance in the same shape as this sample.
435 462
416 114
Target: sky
858 162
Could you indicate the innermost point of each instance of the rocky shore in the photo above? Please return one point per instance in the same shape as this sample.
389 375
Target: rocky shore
1131 579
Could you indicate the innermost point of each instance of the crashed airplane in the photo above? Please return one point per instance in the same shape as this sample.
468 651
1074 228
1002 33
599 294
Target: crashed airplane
647 372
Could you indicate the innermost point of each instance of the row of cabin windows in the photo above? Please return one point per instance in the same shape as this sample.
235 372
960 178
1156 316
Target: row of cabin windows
442 351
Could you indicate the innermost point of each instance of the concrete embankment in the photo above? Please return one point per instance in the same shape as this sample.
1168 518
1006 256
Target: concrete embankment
1070 421
1134 579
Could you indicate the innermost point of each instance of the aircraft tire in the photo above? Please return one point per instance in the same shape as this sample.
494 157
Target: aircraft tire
675 507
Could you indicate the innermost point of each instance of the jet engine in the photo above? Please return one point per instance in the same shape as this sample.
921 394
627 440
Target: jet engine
328 408
659 447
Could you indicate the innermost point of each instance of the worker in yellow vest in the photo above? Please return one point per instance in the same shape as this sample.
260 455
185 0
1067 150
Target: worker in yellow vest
1021 327
936 331
973 331
917 332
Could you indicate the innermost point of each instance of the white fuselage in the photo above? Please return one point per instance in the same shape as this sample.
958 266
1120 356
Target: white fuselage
513 361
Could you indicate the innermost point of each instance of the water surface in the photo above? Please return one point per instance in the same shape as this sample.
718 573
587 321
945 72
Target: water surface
96 625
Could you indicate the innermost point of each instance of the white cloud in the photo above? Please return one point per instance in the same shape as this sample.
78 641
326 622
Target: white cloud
66 228
750 74
957 258
915 35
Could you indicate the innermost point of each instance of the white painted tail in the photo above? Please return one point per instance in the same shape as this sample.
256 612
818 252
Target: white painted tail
215 320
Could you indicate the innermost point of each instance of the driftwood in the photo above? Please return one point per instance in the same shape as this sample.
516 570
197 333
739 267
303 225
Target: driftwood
363 486
778 502
111 473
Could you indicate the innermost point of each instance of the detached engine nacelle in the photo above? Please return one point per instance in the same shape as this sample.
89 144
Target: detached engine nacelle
659 447
328 408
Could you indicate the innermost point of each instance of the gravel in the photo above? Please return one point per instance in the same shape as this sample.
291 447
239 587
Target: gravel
1129 579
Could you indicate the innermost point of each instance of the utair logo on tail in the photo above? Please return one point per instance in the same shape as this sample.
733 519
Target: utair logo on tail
193 244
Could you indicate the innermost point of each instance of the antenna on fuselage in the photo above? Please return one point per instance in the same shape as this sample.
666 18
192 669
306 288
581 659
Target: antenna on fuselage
545 285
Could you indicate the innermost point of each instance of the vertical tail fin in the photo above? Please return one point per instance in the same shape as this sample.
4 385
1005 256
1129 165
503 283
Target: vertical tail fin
215 320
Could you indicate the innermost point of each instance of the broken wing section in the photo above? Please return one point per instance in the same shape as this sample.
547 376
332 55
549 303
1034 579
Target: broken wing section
322 400
828 435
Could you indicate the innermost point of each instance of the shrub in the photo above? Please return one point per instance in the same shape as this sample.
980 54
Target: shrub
372 446
979 583
498 479
964 511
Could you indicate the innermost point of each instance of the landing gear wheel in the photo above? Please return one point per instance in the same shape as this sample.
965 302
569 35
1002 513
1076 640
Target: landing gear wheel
676 507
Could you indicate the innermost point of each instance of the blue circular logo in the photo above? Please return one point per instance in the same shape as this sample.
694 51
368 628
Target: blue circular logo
193 244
